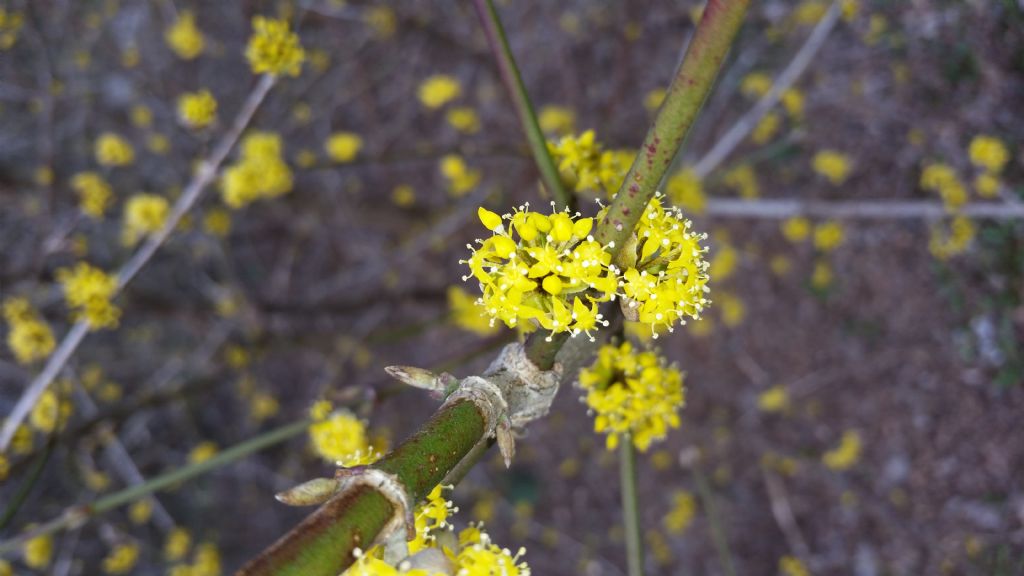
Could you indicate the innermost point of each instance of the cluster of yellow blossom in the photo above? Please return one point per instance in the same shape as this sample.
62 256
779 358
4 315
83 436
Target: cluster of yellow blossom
94 193
144 214
183 37
665 273
557 120
943 179
342 147
553 276
205 562
260 172
338 436
743 180
466 314
38 552
654 99
438 90
827 236
273 48
87 291
459 176
633 394
10 25
197 109
28 335
952 240
585 166
121 558
202 452
464 119
834 166
685 190
50 412
990 155
403 195
680 515
113 150
177 544
844 456
774 399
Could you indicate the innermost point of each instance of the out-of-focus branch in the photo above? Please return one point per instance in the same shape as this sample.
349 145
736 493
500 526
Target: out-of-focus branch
849 209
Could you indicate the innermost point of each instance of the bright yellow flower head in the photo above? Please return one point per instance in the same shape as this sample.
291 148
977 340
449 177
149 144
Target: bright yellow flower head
38 552
460 177
987 185
774 399
121 559
632 394
846 455
464 119
28 336
339 436
343 147
94 194
273 48
796 229
438 90
49 413
197 109
177 544
584 165
828 236
988 152
113 150
766 128
550 274
259 173
834 166
952 240
87 291
144 214
184 38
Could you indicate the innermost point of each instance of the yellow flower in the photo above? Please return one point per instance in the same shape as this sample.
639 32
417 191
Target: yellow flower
177 544
38 552
113 150
834 166
733 309
273 48
49 413
767 128
339 436
743 180
144 214
796 229
121 559
5 469
382 20
846 455
29 337
263 406
828 236
685 190
183 37
259 173
774 399
207 561
850 9
584 164
343 147
464 119
632 394
558 120
461 178
217 222
438 90
94 194
403 196
158 144
197 109
987 185
141 511
467 314
141 116
792 566
821 277
10 25
945 243
202 452
724 263
988 152
793 102
680 515
809 12
755 84
87 291
653 99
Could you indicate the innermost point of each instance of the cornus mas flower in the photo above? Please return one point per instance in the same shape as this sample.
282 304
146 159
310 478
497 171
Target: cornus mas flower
633 394
339 436
94 193
28 336
144 214
113 150
260 172
273 48
584 164
988 152
197 109
666 274
550 274
183 37
88 291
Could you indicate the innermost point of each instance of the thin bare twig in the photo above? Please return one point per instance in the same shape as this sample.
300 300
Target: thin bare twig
867 209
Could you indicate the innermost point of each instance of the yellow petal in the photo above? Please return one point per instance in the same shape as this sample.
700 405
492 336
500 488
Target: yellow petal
490 220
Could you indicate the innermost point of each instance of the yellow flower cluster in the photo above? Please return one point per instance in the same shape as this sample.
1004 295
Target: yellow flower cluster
50 412
834 166
680 515
844 456
28 335
144 214
113 150
947 241
942 179
774 399
183 37
633 394
38 552
94 193
273 48
666 274
467 314
460 177
685 190
338 436
792 566
260 172
202 452
87 291
342 147
438 90
553 276
743 180
464 119
827 236
121 559
988 153
197 109
206 562
558 120
955 237
584 165
10 25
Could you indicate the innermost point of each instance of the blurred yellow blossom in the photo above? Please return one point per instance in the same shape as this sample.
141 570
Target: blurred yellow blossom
464 119
197 109
680 515
140 511
792 566
557 120
403 196
952 240
796 229
141 116
821 276
49 412
144 214
987 185
38 552
339 436
28 336
343 147
87 291
755 84
766 129
743 180
988 152
121 559
653 99
10 24
733 309
438 90
94 194
381 19
217 222
834 166
846 454
793 102
259 173
177 544
202 452
828 236
113 150
460 177
183 37
685 190
467 314
774 399
273 48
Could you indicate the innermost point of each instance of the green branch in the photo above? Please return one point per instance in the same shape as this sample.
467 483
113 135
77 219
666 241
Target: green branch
323 543
524 109
631 507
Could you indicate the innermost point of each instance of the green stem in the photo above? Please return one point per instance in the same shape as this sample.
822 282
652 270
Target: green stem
77 515
631 508
717 531
524 108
